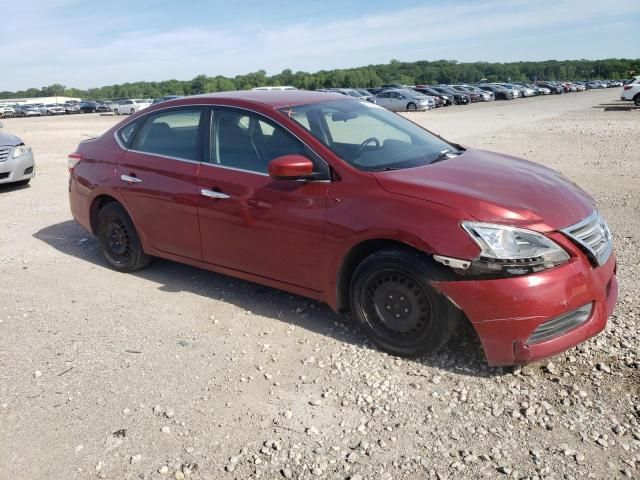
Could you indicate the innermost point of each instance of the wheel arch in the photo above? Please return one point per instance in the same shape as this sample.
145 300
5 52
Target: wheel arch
352 258
96 205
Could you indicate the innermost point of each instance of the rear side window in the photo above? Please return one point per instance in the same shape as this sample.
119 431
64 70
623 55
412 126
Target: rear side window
175 133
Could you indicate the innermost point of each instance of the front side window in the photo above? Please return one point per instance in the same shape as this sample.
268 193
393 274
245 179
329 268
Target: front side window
175 133
248 141
369 137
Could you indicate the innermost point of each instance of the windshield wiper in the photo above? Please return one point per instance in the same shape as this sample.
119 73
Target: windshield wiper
385 169
446 154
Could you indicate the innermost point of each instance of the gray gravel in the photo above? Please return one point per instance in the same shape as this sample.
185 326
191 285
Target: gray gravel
178 373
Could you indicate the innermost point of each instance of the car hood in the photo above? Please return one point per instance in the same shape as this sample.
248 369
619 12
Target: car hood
492 187
8 139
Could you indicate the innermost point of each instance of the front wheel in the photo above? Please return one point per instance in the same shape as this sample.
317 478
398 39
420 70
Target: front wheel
396 306
116 111
411 106
636 100
119 240
132 111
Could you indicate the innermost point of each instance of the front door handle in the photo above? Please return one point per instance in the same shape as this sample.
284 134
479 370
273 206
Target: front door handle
214 194
130 179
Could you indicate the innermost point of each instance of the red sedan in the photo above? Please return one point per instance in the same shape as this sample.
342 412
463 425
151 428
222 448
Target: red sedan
345 202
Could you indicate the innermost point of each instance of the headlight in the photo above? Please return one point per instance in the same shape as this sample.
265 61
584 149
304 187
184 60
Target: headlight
511 250
21 150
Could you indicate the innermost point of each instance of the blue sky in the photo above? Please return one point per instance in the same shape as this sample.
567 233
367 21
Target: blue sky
90 43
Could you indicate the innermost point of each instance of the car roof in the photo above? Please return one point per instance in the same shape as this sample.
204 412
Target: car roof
270 98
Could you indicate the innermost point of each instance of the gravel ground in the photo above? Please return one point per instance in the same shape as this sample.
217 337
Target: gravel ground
176 372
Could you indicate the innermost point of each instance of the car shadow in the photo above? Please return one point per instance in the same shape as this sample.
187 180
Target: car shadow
462 355
13 187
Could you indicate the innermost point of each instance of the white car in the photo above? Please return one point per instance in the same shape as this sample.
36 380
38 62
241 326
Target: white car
631 91
129 107
51 109
16 160
6 111
401 99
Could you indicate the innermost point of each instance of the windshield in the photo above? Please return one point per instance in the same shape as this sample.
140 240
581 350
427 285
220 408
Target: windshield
369 137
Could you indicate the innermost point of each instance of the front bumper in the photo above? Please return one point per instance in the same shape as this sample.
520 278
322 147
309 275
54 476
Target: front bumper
17 169
505 312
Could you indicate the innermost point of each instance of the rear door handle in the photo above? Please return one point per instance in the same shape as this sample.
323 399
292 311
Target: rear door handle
214 194
130 179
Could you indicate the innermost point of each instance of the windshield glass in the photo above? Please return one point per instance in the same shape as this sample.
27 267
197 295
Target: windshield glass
369 137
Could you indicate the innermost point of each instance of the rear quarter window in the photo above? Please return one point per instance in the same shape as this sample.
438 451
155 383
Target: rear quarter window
126 134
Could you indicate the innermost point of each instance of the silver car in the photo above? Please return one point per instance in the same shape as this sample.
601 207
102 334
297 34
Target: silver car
16 160
403 99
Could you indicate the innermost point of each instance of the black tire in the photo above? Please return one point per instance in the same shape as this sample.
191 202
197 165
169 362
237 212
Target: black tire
116 111
132 111
636 100
411 106
119 240
394 303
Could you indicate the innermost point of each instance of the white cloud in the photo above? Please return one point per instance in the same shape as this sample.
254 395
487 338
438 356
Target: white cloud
85 52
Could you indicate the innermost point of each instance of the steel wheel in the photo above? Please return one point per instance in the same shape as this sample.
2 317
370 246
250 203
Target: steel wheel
397 306
119 239
393 301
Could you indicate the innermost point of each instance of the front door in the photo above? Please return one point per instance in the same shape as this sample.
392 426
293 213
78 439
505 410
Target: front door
158 178
251 222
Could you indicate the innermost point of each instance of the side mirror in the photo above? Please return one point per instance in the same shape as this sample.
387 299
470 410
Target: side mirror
290 167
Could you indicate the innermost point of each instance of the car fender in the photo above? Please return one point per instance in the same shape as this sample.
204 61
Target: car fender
353 223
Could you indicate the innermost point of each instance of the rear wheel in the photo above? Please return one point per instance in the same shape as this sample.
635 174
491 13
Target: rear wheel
636 100
119 240
132 111
116 111
396 306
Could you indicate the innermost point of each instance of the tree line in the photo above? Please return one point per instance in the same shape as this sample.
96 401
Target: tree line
407 73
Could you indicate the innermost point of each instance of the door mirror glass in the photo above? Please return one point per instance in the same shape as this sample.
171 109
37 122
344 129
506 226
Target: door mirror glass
290 167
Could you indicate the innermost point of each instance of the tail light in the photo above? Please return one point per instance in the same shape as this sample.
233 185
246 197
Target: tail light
627 87
72 160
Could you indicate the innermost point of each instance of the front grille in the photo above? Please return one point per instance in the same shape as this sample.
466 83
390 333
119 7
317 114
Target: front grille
592 235
561 324
4 175
4 153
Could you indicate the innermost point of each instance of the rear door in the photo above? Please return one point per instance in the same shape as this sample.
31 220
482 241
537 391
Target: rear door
158 177
383 100
396 101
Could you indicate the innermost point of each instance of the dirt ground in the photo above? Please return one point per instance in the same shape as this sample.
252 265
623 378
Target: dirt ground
176 372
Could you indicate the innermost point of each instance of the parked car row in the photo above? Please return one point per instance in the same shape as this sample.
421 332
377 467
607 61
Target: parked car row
399 97
118 107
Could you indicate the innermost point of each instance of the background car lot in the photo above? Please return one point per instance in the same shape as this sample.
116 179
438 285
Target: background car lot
240 372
